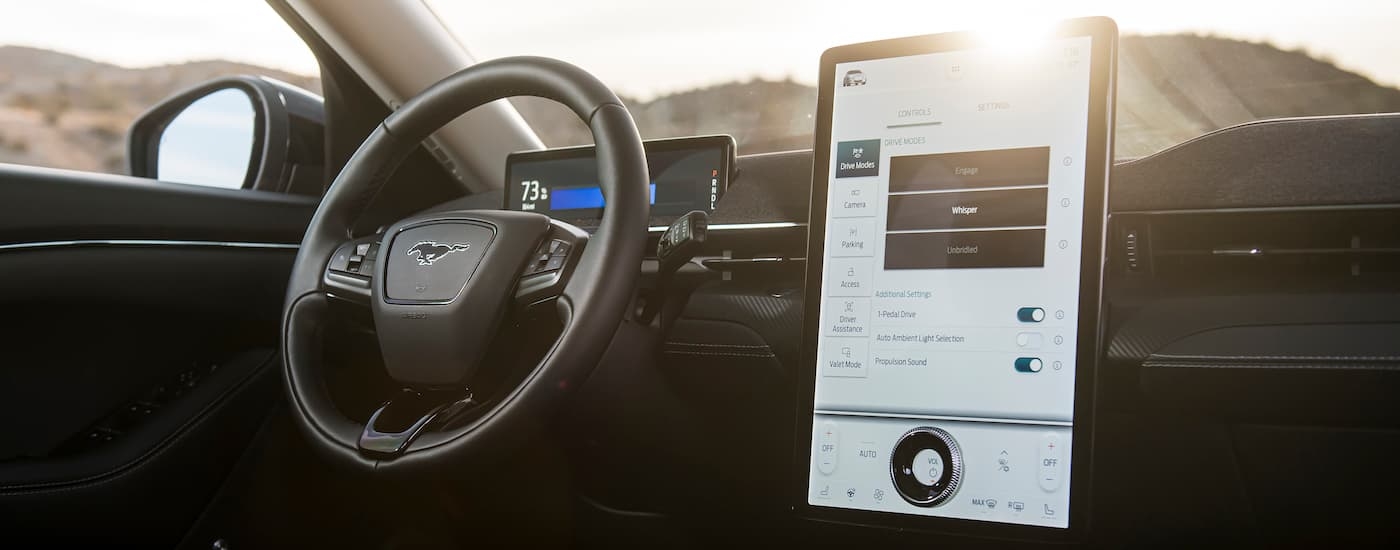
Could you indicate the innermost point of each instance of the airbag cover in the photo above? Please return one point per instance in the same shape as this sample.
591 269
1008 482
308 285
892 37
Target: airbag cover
432 263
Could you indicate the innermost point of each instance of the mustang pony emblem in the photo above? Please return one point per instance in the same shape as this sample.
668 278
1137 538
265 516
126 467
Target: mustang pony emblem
430 251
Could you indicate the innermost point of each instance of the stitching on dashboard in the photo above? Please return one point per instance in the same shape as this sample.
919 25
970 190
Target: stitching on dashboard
1268 366
133 465
719 354
734 346
1283 357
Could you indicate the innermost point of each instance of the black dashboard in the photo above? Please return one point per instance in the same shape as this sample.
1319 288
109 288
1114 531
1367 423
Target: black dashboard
1252 333
1251 330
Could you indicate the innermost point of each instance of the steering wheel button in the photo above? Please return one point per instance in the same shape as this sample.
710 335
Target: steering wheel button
341 260
362 249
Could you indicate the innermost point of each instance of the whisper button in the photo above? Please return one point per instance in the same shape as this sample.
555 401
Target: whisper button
1029 364
1030 315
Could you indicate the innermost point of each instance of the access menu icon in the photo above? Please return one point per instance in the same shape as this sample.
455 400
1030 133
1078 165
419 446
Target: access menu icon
856 159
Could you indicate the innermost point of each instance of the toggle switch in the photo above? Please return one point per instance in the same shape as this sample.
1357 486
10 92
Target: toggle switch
1030 315
1029 340
1029 364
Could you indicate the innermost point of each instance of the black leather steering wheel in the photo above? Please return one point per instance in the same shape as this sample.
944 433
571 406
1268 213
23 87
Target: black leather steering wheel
440 282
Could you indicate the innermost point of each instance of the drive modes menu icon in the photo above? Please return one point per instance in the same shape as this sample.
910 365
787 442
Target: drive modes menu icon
856 159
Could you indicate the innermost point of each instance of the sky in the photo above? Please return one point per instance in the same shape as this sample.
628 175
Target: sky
648 47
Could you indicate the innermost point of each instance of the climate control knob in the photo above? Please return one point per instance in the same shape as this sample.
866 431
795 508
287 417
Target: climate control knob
926 466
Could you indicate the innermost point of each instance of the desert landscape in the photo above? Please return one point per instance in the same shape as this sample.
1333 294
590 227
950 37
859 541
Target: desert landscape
64 111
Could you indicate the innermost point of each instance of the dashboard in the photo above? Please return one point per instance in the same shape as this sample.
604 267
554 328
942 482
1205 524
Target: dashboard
1251 304
1186 389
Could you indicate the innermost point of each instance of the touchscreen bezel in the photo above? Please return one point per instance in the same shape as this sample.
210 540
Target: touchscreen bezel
724 143
1099 154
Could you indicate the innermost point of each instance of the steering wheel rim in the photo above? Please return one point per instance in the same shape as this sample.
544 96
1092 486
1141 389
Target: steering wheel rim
591 305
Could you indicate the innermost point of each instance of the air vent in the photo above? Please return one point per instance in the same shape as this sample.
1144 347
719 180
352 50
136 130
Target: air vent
1267 250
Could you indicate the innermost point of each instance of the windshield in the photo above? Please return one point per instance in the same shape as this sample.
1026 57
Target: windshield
749 68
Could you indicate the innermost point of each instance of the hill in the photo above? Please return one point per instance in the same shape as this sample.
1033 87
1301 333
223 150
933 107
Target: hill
62 110
65 111
1170 88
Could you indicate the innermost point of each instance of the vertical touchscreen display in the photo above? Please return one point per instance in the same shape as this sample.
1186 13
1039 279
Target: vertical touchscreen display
950 284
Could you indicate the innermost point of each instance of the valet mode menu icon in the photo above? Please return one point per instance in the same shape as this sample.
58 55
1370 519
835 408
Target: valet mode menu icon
855 159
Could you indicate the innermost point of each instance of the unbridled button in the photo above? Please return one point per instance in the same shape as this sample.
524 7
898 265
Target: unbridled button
1051 452
928 467
1029 364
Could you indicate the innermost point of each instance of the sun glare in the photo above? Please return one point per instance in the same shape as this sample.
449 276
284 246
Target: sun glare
1014 36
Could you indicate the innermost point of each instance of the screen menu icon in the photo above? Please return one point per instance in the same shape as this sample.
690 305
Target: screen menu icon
856 159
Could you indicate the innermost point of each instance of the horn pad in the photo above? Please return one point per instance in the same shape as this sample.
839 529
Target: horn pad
432 263
441 288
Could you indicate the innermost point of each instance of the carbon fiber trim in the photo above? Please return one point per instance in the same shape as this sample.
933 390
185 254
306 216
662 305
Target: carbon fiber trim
774 313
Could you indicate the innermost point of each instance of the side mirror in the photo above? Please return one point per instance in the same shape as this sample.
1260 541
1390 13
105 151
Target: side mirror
239 132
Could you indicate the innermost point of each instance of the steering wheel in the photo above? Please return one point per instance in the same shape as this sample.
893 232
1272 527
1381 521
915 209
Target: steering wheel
441 282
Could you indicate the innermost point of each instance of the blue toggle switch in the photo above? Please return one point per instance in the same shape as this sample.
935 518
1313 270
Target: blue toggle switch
1030 315
1029 364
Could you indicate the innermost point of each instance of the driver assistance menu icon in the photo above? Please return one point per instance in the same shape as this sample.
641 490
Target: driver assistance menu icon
856 159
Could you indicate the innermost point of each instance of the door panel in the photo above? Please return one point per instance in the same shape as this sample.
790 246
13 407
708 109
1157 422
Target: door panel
137 364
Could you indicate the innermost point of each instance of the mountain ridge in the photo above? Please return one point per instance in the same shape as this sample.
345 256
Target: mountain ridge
62 110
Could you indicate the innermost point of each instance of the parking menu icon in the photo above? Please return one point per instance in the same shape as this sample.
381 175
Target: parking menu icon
858 158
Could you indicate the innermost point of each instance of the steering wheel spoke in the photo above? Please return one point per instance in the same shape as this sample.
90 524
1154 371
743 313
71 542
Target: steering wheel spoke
551 266
350 272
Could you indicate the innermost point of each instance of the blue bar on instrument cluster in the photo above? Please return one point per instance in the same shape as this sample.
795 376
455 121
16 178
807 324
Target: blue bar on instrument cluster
572 198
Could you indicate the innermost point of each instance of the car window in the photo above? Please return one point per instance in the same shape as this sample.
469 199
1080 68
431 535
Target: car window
748 68
68 98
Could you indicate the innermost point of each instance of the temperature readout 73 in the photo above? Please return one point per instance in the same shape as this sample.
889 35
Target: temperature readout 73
531 190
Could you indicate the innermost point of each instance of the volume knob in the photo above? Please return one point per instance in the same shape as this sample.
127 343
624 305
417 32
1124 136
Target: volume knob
926 466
